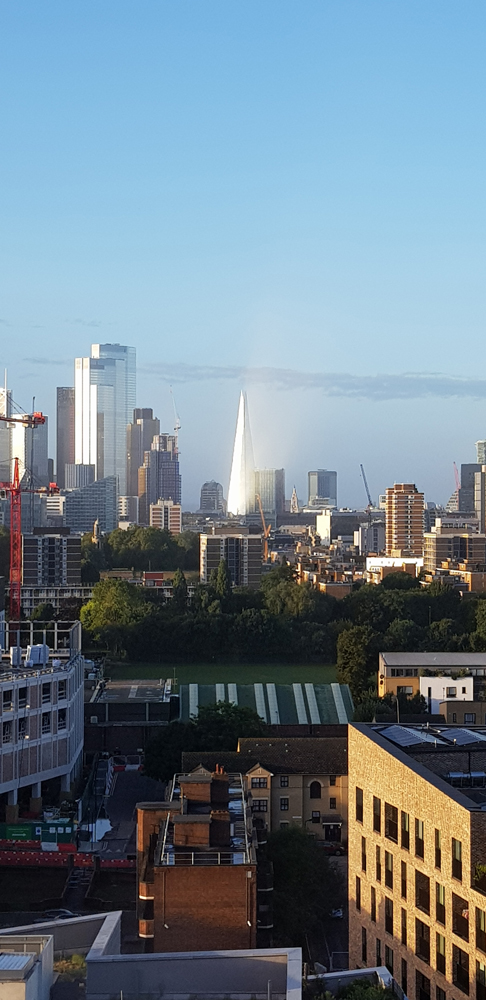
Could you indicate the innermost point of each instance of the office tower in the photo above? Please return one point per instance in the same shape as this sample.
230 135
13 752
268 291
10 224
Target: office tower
465 493
241 551
417 842
481 452
76 476
167 516
104 387
30 446
128 508
64 432
5 436
212 499
140 434
480 498
322 488
370 537
241 492
270 487
51 558
159 478
404 520
97 502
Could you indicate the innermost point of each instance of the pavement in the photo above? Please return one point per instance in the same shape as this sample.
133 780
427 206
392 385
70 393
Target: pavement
130 787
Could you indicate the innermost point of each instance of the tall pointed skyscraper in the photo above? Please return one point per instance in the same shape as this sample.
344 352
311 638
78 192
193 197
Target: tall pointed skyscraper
241 492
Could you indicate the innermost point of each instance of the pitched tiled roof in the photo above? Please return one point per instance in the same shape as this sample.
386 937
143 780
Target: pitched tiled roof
281 756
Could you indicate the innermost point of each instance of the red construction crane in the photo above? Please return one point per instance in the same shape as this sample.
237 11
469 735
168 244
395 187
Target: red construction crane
15 492
266 528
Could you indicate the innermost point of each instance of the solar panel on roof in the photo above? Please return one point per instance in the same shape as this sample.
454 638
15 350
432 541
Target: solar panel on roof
461 737
10 960
405 737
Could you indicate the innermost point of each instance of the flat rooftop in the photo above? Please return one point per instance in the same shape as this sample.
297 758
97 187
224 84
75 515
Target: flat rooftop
459 661
133 690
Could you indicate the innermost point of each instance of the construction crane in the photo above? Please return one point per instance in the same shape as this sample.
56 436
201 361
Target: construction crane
368 494
13 489
266 528
456 477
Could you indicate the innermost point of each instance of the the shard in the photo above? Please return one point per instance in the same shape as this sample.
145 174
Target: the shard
241 491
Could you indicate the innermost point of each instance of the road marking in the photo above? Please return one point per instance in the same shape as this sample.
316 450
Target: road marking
339 702
133 691
312 701
273 704
260 701
300 704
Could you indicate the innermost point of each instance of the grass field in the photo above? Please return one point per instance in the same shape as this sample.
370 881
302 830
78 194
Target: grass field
238 673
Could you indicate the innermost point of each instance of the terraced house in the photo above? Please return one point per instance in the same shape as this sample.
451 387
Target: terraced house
417 854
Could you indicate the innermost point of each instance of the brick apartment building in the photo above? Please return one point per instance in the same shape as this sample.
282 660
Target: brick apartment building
404 507
417 832
292 781
197 869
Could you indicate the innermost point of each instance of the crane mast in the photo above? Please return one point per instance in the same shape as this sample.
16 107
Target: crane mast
266 527
368 494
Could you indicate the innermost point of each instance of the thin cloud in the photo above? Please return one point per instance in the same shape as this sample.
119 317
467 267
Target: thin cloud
84 322
61 362
409 385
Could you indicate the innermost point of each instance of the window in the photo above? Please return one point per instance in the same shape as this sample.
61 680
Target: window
284 781
460 969
376 814
470 717
480 981
457 859
422 941
440 914
480 929
284 805
388 870
438 849
359 805
460 917
61 690
7 700
46 723
22 697
405 831
439 994
454 716
422 986
358 892
378 951
315 790
332 779
364 945
315 815
404 926
378 863
61 718
440 953
404 879
422 892
404 976
258 782
284 823
363 854
389 915
22 729
260 805
7 732
391 822
332 803
389 959
419 838
451 692
373 904
46 694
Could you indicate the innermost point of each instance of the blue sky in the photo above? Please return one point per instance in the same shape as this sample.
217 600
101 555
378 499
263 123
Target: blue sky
277 185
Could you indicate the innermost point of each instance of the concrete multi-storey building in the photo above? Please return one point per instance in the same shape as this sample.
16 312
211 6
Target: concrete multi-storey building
241 551
96 502
197 865
322 488
64 432
51 559
292 781
404 520
41 703
417 848
455 552
166 515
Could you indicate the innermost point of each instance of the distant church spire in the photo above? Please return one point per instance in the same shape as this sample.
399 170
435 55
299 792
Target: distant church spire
294 503
241 492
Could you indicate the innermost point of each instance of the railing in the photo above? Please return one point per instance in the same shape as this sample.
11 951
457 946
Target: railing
205 858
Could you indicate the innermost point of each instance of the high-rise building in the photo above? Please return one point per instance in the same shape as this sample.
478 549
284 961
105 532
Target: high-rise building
167 516
76 476
241 491
465 493
404 520
96 502
481 452
5 436
105 387
159 478
212 499
140 434
241 551
480 498
128 509
322 488
51 558
29 445
294 502
64 432
270 487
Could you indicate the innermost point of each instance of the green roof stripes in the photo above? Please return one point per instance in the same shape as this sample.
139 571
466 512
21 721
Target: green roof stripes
321 698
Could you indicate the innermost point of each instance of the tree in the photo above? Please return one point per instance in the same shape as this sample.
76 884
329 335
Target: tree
114 607
306 886
223 584
179 592
400 581
355 658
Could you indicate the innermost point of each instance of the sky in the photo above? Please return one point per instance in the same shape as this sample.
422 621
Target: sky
285 197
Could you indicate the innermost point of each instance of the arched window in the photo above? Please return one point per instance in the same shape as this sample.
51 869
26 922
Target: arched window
315 790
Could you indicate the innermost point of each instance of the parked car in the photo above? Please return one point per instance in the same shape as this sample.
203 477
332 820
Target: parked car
331 848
